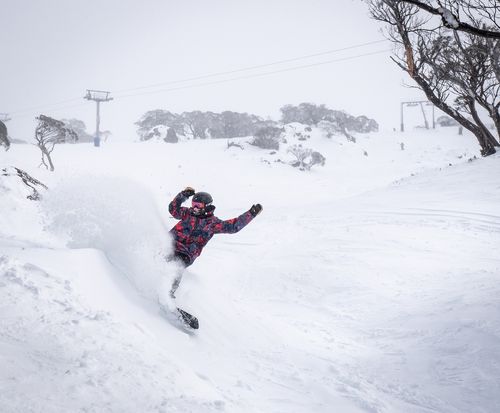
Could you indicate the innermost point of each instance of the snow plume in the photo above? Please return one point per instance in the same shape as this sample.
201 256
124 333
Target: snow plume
117 216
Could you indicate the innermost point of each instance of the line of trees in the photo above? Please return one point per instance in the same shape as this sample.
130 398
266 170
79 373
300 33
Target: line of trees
333 121
227 125
455 63
200 125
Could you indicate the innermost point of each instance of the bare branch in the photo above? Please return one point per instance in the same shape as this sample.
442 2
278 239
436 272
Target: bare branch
452 21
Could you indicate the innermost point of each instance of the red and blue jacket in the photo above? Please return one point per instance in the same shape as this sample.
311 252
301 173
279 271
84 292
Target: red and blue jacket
193 232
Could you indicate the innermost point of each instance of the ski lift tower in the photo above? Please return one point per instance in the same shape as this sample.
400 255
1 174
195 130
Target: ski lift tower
420 103
98 96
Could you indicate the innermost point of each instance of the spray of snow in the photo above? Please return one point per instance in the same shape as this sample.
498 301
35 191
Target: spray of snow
123 223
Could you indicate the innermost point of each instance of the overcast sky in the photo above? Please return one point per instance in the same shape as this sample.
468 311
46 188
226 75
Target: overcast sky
53 50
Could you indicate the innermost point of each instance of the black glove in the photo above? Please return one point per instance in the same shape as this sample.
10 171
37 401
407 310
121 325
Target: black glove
188 191
256 209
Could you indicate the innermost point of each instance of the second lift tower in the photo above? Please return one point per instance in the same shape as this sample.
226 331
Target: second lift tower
98 96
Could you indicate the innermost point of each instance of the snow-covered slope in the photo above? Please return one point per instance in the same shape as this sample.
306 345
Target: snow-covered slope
368 285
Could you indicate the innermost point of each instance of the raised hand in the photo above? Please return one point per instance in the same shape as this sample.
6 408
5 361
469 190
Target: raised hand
256 209
188 191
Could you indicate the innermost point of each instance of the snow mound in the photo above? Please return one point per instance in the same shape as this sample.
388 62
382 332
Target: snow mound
60 354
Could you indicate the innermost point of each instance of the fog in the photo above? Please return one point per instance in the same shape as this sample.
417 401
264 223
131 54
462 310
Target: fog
54 51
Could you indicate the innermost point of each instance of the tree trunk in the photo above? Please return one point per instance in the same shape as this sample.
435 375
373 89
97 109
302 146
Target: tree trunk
50 163
487 146
495 115
46 154
349 137
489 140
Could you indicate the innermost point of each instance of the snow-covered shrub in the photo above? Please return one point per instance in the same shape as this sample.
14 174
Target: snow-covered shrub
317 159
446 121
329 128
79 127
363 124
171 136
337 127
231 144
302 137
267 138
161 133
297 130
154 132
306 158
301 154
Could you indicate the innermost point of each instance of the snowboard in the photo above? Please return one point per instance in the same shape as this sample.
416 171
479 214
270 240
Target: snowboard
178 315
188 319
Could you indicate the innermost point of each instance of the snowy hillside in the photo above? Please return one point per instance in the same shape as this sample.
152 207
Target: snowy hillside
369 284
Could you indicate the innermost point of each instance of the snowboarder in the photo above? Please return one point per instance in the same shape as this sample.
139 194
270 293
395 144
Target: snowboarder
197 226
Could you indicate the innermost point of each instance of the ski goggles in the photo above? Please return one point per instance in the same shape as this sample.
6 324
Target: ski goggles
198 205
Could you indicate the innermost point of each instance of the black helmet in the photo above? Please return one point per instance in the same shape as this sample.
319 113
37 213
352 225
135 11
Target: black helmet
203 197
201 204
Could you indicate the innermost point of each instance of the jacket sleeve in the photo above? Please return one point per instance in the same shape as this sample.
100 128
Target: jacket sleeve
175 207
234 225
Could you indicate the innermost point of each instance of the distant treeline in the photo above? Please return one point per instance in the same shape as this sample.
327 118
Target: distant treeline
227 124
200 125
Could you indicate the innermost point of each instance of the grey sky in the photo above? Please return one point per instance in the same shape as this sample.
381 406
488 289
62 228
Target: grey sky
54 50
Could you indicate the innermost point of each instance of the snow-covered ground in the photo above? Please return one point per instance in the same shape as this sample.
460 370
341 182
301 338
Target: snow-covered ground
368 285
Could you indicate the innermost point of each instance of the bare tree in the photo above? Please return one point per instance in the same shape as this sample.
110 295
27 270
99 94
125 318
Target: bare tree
472 76
306 158
482 14
342 121
301 154
197 123
429 56
48 133
4 137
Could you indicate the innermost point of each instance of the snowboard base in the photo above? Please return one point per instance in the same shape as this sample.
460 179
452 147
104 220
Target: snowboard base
189 319
178 316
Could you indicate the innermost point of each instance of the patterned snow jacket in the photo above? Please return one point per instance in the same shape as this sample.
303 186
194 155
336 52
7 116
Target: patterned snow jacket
193 232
